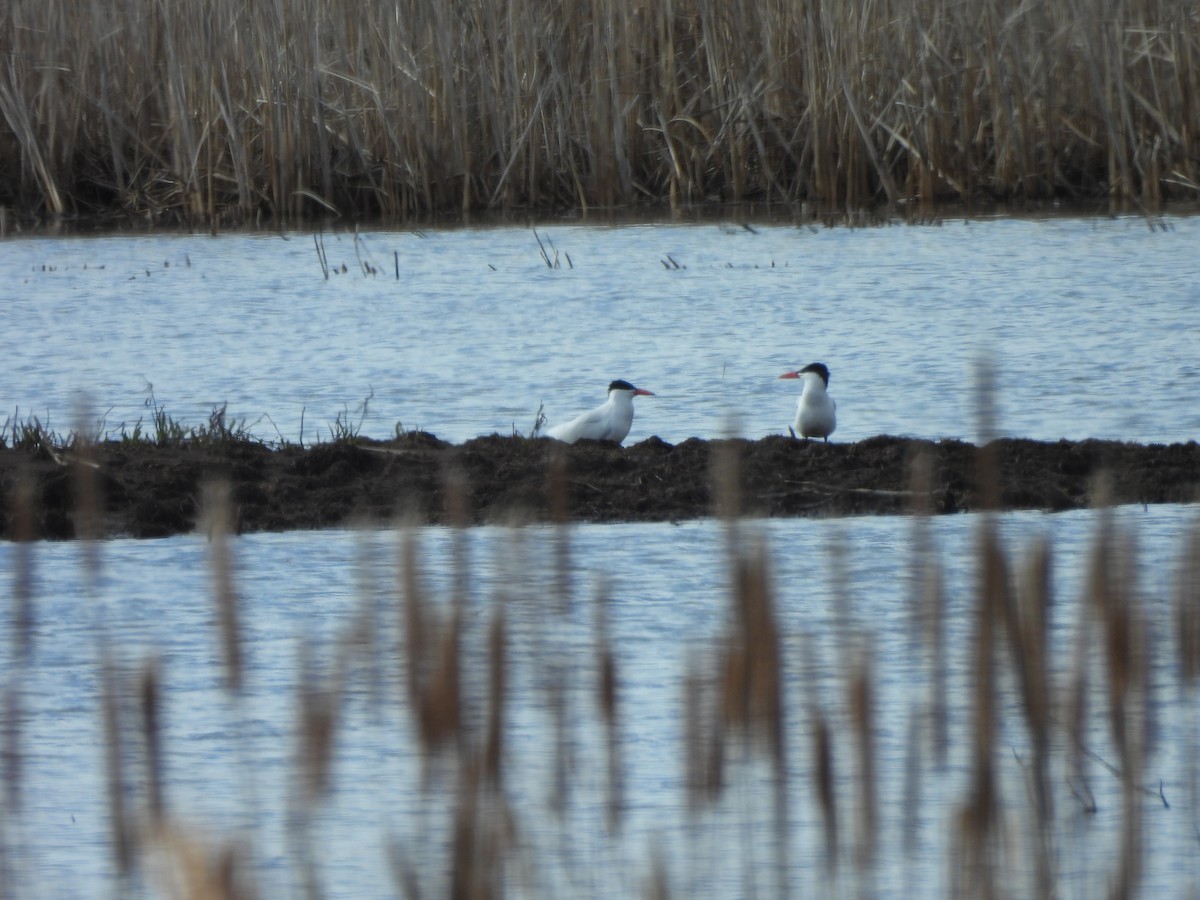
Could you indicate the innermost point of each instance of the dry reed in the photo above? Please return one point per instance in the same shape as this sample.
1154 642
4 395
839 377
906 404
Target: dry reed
928 599
220 113
218 513
1187 631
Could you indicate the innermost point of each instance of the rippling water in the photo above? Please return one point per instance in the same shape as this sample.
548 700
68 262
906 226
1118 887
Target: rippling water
1088 321
1089 325
231 768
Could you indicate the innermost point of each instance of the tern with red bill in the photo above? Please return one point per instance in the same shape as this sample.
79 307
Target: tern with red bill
816 413
608 422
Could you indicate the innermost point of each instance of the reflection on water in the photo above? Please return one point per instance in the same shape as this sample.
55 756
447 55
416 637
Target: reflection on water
845 598
1086 319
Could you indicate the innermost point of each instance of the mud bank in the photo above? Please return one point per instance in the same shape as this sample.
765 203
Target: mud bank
145 490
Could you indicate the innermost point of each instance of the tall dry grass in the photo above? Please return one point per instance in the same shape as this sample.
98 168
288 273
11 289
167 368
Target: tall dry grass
222 112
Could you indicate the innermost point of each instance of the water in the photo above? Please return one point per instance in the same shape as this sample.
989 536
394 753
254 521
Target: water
231 767
1087 322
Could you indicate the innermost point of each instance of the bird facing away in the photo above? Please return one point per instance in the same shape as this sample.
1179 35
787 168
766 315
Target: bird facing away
608 422
816 413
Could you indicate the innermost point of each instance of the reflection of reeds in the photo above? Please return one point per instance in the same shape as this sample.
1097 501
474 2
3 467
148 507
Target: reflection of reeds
219 523
149 690
606 696
20 629
21 637
763 734
1187 609
430 657
823 779
1027 615
123 832
1122 625
1187 633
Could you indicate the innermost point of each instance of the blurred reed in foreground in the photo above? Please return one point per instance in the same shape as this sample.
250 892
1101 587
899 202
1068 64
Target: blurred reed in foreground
776 726
223 112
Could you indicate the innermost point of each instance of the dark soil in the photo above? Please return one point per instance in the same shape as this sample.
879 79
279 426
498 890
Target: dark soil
150 491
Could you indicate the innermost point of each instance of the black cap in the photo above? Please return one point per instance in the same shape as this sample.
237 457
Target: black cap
820 368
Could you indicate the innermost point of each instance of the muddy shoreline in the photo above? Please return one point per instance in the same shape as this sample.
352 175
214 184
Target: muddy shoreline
148 491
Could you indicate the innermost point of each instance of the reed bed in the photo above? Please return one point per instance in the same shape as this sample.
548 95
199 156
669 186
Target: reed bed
779 749
223 113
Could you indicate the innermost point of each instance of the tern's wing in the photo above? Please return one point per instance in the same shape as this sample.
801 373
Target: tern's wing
593 424
590 425
560 431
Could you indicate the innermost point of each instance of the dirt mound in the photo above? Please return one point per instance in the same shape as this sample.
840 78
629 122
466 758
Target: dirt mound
145 490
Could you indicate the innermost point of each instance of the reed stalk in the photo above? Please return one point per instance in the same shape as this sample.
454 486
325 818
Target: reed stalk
1026 619
218 513
221 113
607 697
1187 630
761 734
928 601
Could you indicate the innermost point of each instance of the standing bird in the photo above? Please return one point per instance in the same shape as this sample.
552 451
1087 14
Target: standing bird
608 422
816 413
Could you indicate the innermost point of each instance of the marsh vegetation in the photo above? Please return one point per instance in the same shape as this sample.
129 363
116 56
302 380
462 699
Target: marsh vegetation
216 113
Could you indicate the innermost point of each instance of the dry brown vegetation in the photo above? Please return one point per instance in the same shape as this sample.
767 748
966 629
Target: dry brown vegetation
226 112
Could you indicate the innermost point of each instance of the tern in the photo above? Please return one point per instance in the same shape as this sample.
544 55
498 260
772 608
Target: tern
607 422
816 413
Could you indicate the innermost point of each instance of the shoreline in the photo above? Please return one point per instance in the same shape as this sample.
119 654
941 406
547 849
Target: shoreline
17 224
146 490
